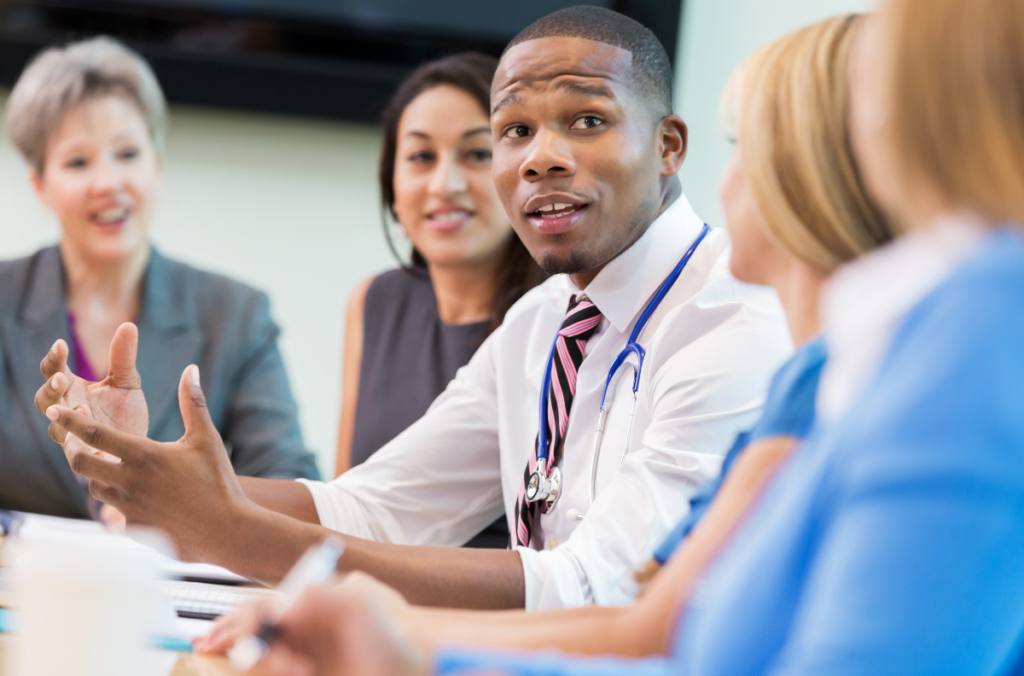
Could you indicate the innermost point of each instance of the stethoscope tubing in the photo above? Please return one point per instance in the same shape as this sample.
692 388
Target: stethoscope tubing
632 347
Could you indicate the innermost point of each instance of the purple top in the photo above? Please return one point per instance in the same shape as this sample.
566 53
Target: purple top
83 369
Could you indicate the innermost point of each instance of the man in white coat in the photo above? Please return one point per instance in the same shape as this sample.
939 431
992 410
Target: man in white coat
586 151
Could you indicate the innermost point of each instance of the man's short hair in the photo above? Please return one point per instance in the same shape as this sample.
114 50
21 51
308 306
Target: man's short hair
651 65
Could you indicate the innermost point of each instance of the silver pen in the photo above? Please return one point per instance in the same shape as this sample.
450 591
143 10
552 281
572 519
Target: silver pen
313 568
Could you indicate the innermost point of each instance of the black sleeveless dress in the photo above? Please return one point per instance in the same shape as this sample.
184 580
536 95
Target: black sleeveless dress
409 357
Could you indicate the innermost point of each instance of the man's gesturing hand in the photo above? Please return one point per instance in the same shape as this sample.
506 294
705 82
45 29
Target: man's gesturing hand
117 400
187 488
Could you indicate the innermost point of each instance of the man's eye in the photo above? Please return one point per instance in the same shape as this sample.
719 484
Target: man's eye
518 131
587 122
76 163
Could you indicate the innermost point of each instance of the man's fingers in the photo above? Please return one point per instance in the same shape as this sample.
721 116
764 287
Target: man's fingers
52 392
85 463
55 361
109 496
124 349
192 402
128 447
57 433
110 516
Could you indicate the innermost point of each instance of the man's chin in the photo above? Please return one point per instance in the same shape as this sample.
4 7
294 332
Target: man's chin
571 263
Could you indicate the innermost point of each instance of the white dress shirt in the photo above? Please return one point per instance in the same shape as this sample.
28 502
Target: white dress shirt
866 300
712 347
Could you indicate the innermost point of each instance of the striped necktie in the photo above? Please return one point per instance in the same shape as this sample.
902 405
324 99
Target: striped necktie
581 320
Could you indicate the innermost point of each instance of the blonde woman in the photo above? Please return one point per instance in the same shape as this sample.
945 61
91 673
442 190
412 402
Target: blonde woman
891 541
90 121
791 237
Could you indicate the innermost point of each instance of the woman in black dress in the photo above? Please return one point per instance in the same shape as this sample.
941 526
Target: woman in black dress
409 330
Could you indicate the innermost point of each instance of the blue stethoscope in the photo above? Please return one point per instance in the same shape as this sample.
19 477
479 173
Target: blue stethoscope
546 482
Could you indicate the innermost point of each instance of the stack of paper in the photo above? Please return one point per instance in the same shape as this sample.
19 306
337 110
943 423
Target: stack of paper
196 590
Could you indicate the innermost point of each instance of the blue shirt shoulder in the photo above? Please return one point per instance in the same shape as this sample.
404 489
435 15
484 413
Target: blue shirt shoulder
788 411
891 541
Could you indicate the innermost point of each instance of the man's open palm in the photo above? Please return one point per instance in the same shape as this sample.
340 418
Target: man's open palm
117 400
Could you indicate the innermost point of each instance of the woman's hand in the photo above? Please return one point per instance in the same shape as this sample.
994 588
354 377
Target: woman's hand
246 620
344 629
117 400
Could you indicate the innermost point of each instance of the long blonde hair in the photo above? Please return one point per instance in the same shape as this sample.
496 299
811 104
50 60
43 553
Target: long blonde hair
954 100
791 102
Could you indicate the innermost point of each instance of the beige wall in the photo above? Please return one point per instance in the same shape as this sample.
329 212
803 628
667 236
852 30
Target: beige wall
290 205
717 36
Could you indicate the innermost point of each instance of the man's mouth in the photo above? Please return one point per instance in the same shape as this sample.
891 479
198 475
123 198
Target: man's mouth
557 210
550 215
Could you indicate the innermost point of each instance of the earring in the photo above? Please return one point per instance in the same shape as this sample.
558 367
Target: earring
397 232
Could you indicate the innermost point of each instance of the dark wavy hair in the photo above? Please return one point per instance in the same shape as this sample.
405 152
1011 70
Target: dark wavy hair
471 72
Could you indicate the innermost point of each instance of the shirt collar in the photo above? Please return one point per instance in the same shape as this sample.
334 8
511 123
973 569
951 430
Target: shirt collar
865 301
625 284
883 285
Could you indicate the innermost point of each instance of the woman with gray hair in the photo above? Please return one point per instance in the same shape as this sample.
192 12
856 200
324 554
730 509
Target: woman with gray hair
90 120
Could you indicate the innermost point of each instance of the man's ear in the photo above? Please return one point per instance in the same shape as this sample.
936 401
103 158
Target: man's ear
673 141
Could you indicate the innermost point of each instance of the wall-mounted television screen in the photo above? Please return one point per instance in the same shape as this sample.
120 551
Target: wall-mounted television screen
338 59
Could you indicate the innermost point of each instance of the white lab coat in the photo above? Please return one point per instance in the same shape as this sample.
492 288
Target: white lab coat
712 347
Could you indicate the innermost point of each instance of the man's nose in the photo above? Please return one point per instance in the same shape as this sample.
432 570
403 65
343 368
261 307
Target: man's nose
549 156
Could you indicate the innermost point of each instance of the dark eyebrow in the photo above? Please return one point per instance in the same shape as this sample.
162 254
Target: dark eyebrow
583 89
579 88
507 101
471 132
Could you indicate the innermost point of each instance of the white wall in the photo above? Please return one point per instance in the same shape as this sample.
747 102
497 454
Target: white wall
717 36
290 205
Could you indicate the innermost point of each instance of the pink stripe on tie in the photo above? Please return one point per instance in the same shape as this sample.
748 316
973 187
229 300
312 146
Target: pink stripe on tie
570 368
580 327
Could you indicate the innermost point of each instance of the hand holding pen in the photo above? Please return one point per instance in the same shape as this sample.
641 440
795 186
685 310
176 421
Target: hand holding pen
315 567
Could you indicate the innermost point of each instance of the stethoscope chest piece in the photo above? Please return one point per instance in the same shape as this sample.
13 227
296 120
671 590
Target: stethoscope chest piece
545 487
545 484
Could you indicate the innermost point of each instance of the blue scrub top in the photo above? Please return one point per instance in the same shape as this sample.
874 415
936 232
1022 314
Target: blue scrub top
788 411
892 541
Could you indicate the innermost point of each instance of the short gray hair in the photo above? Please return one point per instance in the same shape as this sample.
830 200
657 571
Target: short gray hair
61 78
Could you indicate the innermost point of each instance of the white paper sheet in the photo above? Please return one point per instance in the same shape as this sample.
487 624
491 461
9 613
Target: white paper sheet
55 530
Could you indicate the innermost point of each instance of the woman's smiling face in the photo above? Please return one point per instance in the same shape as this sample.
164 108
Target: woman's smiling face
444 194
101 177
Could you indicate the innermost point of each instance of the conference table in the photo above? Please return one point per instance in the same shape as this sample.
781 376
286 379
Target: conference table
188 664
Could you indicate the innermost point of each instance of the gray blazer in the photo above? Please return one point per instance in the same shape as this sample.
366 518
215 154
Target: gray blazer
187 317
